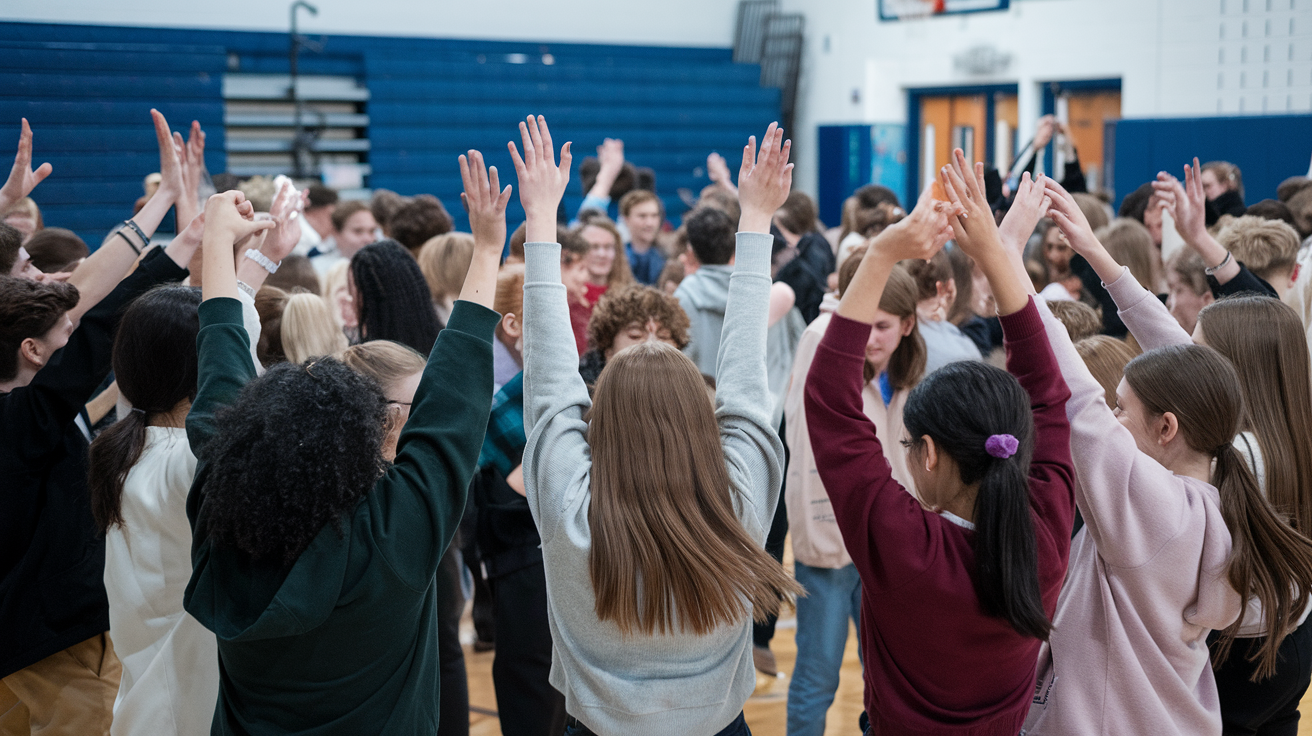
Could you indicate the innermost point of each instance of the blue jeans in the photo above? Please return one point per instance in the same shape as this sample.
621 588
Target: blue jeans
738 728
833 597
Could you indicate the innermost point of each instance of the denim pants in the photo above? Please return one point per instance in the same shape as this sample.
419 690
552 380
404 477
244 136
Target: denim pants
833 597
737 728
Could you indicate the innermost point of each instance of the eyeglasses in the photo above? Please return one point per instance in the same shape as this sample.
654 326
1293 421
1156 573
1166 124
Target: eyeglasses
406 404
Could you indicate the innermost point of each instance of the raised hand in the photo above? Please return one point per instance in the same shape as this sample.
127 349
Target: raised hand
286 215
172 154
919 235
764 180
541 181
1030 205
718 171
485 201
974 229
611 155
22 179
1068 216
230 216
1187 203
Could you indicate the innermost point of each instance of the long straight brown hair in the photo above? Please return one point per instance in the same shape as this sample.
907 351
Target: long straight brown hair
668 552
906 366
1264 339
1269 560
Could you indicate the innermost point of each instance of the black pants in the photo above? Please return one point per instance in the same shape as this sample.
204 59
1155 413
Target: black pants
453 683
1268 707
738 728
762 633
527 704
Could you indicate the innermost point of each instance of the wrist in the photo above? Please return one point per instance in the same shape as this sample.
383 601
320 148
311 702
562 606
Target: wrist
754 222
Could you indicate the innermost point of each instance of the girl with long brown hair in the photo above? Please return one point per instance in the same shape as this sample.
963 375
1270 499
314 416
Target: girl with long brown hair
1178 523
652 504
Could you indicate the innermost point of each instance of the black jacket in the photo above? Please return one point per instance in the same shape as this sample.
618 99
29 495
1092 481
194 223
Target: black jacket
52 558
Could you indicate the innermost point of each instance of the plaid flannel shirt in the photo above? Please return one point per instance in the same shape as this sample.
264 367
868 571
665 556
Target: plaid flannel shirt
503 446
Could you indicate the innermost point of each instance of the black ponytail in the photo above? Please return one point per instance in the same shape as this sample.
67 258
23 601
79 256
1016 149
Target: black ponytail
961 406
155 368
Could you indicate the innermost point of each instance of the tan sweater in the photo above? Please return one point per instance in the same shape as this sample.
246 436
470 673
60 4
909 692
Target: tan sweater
817 541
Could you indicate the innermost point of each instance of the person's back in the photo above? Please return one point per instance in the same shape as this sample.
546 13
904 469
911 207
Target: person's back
704 294
315 573
651 623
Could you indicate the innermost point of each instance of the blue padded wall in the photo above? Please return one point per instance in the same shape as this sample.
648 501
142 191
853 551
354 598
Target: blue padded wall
431 99
1266 148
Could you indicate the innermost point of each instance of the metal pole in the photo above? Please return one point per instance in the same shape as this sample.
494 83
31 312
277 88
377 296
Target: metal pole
298 132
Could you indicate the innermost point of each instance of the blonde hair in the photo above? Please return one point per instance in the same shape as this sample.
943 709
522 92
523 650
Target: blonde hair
308 330
1129 243
1079 319
384 361
333 282
444 260
1265 246
1106 358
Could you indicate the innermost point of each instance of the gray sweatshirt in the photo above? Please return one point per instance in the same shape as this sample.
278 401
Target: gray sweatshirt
638 685
704 296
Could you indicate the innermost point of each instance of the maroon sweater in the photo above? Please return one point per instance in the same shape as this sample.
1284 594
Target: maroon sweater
934 662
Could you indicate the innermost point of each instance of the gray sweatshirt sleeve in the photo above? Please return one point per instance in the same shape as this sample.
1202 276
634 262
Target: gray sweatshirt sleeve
752 447
555 397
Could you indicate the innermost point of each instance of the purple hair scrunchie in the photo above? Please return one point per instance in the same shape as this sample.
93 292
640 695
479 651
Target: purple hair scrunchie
1001 446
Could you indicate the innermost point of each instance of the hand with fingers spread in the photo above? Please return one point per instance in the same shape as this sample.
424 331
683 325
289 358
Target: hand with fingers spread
541 181
1029 206
1188 203
718 171
22 179
974 230
978 235
764 180
485 201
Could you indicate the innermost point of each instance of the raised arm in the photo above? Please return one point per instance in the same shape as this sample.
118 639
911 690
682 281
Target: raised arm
1029 356
22 178
102 270
1143 314
874 512
224 361
437 452
752 447
555 397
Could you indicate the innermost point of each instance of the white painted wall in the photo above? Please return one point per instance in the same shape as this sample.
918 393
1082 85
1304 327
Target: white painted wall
1175 58
667 23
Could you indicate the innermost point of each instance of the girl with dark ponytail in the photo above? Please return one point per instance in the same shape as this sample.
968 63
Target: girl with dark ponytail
140 472
958 587
1261 386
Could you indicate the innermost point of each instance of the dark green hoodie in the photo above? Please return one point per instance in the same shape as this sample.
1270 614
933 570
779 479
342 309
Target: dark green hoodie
345 640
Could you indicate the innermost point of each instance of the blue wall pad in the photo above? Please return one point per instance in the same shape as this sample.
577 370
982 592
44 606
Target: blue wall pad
87 91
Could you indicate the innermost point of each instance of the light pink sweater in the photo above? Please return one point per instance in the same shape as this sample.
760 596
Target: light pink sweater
1146 584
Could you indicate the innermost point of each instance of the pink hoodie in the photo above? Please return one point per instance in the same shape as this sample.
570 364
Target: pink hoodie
1146 584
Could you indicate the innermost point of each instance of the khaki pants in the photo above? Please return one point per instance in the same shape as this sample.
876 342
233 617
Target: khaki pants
70 692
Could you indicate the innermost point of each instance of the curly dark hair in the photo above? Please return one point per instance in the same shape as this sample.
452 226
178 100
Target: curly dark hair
621 307
298 450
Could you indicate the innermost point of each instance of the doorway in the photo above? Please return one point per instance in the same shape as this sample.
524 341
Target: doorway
979 120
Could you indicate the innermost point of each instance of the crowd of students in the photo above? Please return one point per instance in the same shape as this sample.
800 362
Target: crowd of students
1052 463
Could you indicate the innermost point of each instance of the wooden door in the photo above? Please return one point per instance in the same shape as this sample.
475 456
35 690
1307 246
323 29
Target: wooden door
1087 112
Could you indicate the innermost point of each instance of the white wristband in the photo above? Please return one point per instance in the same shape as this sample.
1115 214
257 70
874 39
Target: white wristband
246 288
263 260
